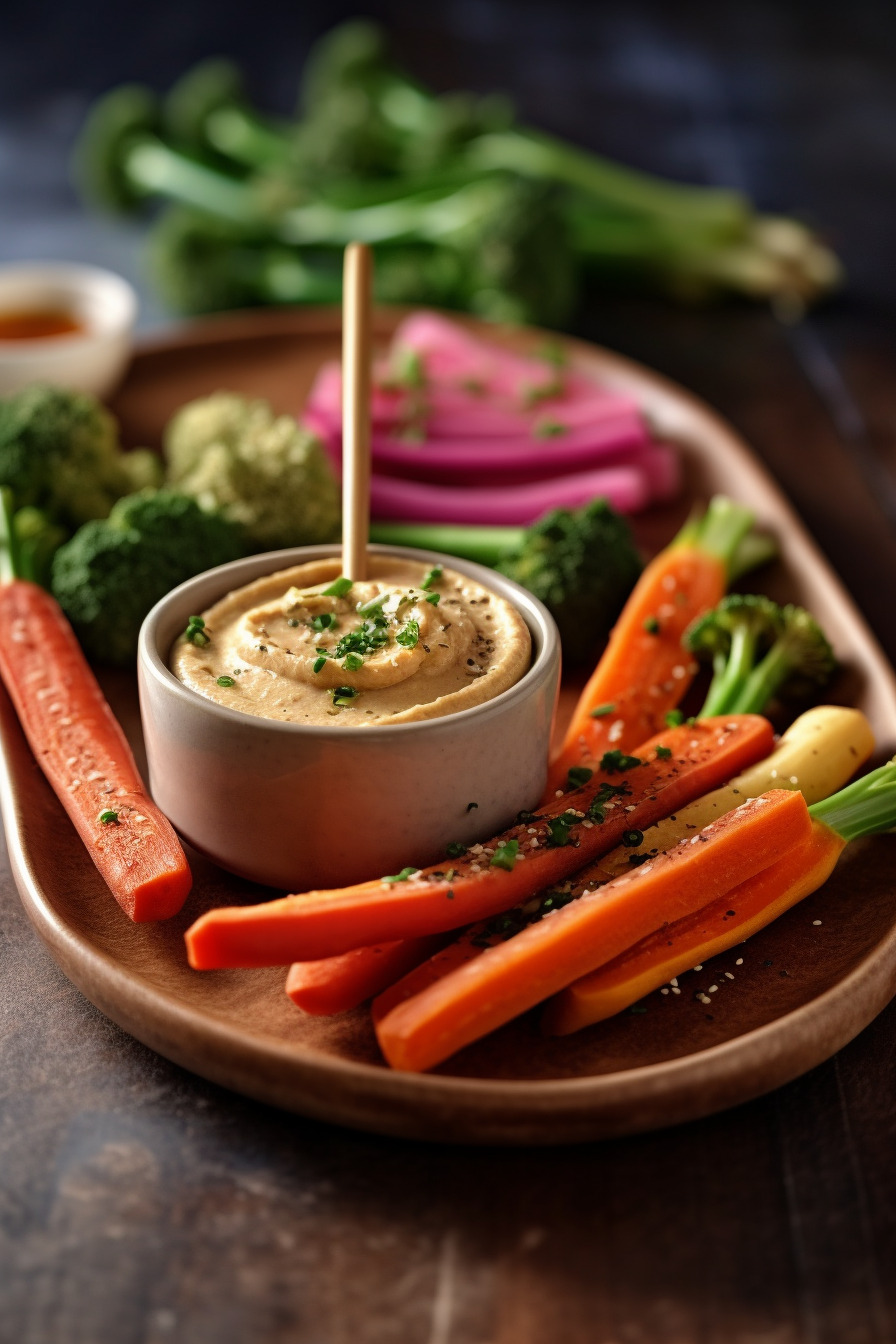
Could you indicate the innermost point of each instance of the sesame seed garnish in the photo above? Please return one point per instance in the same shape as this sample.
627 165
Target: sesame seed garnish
816 921
664 991
728 975
794 779
712 989
675 990
699 968
739 962
678 672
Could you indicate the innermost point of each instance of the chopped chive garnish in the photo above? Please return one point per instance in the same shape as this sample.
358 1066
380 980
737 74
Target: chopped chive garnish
108 817
319 663
636 859
338 588
470 806
675 718
402 876
559 829
343 696
433 598
632 838
505 855
430 578
408 635
195 632
225 681
372 607
652 625
663 753
577 775
616 761
601 711
352 662
324 621
455 849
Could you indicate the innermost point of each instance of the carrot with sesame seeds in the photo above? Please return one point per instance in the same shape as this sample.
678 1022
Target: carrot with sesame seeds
824 746
84 754
864 808
675 767
644 671
515 975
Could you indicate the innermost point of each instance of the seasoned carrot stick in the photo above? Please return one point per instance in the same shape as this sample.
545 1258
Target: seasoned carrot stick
644 671
627 793
669 951
335 984
82 750
817 754
514 976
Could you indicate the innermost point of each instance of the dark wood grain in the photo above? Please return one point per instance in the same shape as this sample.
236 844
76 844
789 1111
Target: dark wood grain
140 1205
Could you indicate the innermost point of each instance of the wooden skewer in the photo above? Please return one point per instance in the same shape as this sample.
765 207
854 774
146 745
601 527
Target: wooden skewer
356 361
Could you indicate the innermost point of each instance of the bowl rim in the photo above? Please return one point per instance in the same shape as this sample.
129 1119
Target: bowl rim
541 624
117 295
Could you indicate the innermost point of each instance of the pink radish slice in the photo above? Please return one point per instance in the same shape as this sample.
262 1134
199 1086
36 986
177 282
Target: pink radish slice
626 489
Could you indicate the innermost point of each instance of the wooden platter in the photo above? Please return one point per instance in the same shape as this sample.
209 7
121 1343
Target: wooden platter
805 986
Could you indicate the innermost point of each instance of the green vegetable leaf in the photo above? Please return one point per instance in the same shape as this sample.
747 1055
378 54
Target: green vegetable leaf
409 635
577 775
402 876
613 762
430 578
601 711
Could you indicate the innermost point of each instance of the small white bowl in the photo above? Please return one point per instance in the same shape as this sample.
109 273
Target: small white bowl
302 807
92 360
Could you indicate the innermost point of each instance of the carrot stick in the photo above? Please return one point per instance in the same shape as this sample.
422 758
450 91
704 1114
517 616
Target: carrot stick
628 793
83 752
817 754
335 984
669 951
514 976
644 672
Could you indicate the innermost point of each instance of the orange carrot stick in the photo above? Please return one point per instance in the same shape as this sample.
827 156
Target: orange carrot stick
544 958
83 752
669 951
629 793
335 984
644 672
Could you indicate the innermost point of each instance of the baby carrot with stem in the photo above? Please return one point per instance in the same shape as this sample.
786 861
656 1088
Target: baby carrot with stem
545 957
644 672
81 748
627 792
863 808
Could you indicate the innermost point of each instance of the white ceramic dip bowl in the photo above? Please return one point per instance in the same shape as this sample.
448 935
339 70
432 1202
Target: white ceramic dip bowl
90 360
301 806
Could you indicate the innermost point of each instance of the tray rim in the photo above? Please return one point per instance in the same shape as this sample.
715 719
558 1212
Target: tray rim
576 1109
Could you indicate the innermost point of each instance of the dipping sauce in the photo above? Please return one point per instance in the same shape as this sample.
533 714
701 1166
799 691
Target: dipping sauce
306 646
38 324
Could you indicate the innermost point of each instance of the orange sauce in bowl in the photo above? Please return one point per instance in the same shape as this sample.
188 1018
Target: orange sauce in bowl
38 323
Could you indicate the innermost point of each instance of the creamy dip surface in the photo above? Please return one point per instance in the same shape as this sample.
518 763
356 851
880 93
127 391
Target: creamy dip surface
306 646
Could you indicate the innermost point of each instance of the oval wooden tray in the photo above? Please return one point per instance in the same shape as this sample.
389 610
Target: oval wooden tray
803 989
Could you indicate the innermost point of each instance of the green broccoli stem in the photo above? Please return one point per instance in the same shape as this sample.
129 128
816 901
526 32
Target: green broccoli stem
154 168
753 689
732 674
719 531
534 154
864 808
485 545
489 545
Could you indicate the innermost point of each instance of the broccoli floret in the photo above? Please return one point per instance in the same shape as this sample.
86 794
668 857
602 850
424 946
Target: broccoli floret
112 571
758 650
262 471
582 565
59 452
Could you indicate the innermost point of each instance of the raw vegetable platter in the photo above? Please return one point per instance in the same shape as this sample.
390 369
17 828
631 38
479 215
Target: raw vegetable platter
800 989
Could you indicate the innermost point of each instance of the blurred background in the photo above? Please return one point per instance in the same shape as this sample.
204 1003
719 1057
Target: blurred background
789 103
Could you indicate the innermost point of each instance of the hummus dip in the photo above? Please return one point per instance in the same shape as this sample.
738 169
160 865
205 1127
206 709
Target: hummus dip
308 646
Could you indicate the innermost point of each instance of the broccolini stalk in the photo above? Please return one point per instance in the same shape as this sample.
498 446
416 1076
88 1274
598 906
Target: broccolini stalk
207 107
864 808
9 551
758 649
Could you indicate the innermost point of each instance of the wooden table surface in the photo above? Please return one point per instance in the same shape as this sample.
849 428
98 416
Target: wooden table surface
140 1205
